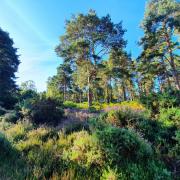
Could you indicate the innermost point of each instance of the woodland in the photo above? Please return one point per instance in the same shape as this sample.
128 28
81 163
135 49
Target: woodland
104 115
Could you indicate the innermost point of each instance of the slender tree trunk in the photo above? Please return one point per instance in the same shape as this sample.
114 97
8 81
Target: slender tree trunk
64 93
131 93
139 88
107 94
131 89
89 93
172 63
144 89
80 97
168 81
175 73
167 78
111 93
124 91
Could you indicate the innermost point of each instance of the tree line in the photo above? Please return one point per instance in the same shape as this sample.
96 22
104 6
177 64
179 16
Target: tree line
96 65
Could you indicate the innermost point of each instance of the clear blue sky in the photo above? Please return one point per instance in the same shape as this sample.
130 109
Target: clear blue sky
35 26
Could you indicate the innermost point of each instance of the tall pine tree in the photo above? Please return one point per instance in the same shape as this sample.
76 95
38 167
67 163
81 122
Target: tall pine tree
160 42
87 40
8 67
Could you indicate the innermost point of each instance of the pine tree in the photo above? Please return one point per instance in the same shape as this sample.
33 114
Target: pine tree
8 67
160 44
59 85
87 40
122 67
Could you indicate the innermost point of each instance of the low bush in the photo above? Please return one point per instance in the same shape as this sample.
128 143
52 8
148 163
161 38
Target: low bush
2 111
124 145
53 155
93 109
131 105
131 155
84 149
18 131
5 147
176 148
111 174
156 101
70 104
124 117
75 127
40 110
39 149
46 111
12 165
152 169
11 116
170 117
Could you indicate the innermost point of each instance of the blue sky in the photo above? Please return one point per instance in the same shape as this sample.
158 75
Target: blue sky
36 25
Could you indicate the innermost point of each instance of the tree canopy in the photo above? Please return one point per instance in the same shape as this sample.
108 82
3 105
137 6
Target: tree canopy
87 40
9 62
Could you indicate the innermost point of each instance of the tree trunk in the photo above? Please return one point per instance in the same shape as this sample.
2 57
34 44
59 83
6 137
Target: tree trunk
80 97
64 93
89 93
172 63
107 94
139 89
124 92
131 93
111 93
175 73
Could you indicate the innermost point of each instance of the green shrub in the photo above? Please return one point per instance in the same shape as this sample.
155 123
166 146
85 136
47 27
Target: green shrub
131 155
130 105
98 123
12 165
46 111
93 109
150 129
76 126
2 111
69 104
170 117
111 174
17 132
5 147
152 169
169 98
124 145
83 148
39 149
122 117
133 171
43 160
35 138
176 149
156 101
40 110
11 116
84 105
